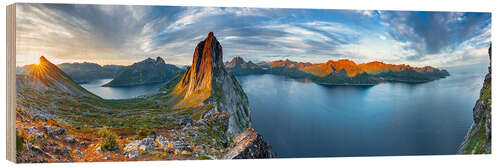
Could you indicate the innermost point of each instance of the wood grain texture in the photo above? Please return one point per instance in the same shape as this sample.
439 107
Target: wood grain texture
11 83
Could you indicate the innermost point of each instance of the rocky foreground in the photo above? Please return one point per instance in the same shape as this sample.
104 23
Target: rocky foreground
203 115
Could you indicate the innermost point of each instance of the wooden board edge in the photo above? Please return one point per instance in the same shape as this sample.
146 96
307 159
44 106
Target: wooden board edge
11 82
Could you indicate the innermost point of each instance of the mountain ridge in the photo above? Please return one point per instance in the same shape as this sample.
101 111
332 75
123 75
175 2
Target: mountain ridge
344 71
147 71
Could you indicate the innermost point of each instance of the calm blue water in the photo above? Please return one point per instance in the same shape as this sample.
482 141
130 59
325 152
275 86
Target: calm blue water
304 119
120 92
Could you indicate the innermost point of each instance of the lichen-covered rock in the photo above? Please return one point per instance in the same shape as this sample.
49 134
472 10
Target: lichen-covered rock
132 146
133 154
55 131
163 141
249 145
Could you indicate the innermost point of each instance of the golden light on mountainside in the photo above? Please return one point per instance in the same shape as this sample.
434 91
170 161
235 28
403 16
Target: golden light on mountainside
39 70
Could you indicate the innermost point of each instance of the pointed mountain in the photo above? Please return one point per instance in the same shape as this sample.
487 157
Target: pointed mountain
46 76
206 82
238 66
148 71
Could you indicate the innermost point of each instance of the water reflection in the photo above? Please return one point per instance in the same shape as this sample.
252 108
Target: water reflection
120 92
304 119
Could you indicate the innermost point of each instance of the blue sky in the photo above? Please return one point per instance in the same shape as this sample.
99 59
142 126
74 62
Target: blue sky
112 34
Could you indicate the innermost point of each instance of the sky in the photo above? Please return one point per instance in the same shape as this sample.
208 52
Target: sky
114 34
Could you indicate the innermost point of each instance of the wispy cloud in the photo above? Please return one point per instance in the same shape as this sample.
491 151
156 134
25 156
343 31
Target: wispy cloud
112 34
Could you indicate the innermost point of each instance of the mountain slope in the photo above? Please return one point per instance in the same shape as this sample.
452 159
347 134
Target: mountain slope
145 72
206 82
478 138
46 76
238 66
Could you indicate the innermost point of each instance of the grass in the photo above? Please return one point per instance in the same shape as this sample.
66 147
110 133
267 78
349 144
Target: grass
477 142
486 93
19 142
204 157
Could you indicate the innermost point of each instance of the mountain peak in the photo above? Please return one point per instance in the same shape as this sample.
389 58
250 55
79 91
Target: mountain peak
159 60
207 82
43 60
207 59
47 76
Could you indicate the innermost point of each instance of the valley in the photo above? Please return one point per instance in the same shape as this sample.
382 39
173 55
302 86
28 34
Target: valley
59 121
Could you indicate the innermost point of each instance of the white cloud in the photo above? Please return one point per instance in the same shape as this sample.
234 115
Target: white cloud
382 37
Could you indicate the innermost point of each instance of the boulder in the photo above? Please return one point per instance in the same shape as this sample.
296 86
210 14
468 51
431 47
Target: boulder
130 147
55 131
133 154
249 145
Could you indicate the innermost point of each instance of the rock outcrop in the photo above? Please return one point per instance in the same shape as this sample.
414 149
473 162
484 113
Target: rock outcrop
249 145
478 138
145 72
206 82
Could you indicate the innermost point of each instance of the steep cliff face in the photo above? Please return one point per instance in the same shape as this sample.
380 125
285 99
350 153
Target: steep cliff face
206 82
478 138
249 145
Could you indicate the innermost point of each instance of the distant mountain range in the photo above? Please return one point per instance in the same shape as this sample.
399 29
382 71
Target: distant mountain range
85 72
145 72
240 67
341 72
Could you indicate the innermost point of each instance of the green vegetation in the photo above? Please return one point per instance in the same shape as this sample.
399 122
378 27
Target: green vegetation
144 132
477 142
19 142
32 139
173 82
108 140
486 92
204 157
143 152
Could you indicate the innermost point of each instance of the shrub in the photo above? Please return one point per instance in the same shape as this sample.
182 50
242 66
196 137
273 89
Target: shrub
19 142
32 139
144 131
204 157
143 152
108 140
